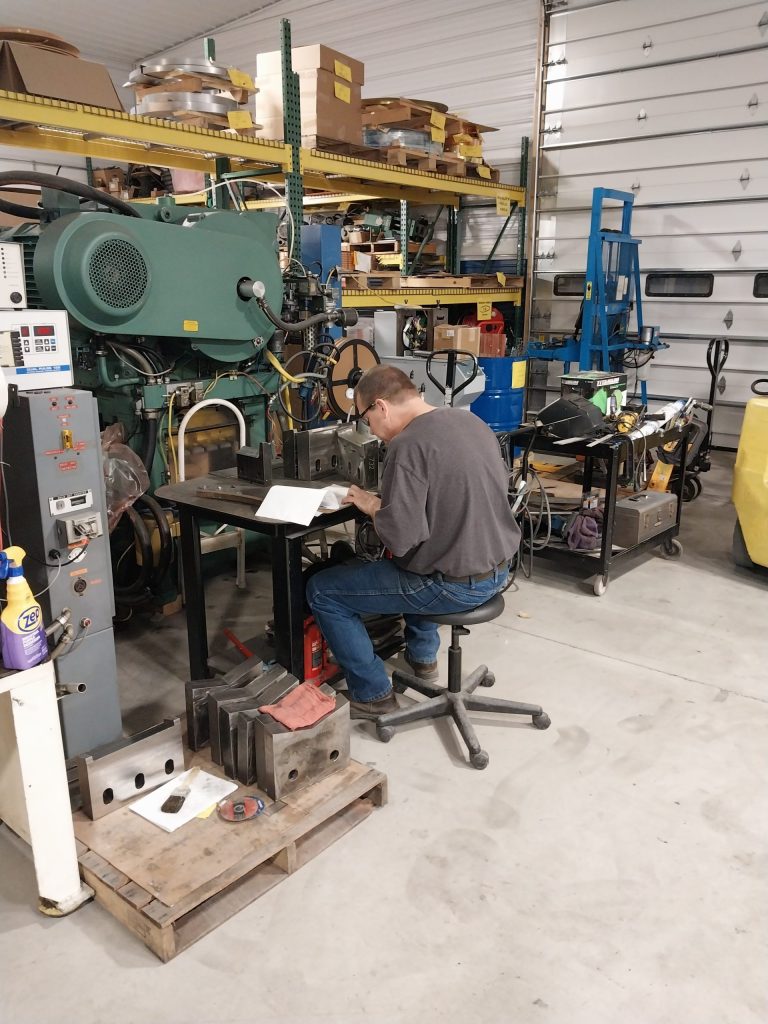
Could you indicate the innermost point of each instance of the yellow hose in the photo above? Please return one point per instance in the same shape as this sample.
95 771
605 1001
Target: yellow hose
277 365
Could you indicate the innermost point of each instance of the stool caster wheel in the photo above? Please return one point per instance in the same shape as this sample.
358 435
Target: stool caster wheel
385 733
541 721
479 760
399 687
489 680
600 586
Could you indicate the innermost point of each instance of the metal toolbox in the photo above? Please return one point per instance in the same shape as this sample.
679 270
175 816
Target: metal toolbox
643 515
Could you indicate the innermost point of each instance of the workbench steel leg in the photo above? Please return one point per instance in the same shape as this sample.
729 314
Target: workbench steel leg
288 601
609 514
34 794
191 564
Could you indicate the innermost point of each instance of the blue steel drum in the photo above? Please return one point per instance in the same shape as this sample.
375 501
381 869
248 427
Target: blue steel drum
500 405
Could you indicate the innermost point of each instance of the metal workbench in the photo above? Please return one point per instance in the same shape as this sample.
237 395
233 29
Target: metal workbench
287 581
612 453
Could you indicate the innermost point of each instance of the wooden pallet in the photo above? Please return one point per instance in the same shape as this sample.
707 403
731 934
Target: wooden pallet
172 889
395 156
363 280
443 163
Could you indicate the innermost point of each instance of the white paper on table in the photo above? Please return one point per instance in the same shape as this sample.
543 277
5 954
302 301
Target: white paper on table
299 504
206 790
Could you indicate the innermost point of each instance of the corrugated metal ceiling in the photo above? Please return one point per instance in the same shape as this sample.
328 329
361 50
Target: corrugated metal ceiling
119 34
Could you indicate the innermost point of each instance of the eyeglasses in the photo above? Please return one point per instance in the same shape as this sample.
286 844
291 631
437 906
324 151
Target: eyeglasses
362 415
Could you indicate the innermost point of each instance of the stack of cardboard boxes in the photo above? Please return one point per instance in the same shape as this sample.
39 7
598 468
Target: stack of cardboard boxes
330 84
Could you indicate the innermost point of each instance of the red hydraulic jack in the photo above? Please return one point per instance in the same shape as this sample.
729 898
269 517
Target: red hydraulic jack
317 668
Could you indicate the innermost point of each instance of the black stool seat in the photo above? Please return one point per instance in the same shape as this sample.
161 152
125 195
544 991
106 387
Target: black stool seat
483 613
459 697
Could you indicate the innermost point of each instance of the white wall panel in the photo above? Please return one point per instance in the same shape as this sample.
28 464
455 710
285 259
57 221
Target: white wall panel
480 60
667 101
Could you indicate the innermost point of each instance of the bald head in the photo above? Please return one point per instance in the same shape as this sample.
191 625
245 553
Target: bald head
386 382
387 400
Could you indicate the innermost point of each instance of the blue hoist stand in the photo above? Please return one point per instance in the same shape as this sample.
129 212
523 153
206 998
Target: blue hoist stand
602 339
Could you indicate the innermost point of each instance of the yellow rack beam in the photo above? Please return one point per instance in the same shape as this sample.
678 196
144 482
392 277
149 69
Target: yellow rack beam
113 135
381 297
340 172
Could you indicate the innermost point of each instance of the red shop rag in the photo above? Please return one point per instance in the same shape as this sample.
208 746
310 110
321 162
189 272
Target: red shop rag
302 707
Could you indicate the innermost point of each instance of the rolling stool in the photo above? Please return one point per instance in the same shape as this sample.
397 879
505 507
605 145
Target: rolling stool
457 700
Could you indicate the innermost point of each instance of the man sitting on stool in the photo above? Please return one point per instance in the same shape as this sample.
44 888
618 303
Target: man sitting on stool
444 515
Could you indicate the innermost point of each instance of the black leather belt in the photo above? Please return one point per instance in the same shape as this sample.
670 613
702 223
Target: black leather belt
474 578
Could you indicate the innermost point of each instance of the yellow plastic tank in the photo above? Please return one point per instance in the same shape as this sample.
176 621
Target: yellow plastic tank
750 481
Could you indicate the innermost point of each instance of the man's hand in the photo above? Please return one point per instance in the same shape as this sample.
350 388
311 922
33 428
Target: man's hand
364 500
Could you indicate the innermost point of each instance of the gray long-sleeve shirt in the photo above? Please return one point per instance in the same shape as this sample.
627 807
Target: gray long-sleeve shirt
444 503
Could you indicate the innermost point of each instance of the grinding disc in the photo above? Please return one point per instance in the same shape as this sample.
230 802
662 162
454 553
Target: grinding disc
240 808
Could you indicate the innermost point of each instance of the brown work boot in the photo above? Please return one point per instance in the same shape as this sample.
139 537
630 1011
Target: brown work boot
426 670
373 709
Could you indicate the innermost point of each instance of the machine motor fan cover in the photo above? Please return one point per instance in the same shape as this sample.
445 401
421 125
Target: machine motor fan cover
126 275
118 274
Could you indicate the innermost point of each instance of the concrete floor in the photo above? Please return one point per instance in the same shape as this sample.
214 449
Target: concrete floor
610 869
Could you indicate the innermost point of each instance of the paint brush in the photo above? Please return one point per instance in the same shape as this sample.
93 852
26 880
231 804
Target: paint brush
175 801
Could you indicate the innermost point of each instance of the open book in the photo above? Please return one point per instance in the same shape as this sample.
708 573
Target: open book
300 504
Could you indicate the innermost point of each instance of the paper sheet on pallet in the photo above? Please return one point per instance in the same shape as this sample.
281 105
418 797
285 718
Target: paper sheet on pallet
205 791
300 504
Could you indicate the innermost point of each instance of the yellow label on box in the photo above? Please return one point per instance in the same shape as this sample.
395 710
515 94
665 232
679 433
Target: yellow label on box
519 373
191 325
501 278
342 71
503 206
474 150
240 78
240 119
437 118
483 171
484 310
438 134
342 92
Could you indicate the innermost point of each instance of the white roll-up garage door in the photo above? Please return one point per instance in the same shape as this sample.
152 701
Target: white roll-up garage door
668 101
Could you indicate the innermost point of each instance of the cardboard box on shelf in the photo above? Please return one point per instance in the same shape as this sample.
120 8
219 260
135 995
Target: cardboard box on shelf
38 72
330 107
312 58
466 339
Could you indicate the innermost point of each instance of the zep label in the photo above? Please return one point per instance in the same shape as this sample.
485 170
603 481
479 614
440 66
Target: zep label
28 620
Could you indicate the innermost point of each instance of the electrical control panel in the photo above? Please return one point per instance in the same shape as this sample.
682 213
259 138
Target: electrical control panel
13 288
56 496
35 351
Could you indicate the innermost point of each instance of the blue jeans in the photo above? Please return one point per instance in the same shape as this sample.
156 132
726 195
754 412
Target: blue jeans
338 597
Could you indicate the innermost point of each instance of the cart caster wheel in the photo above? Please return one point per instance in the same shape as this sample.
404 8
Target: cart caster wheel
489 680
385 733
479 760
541 721
600 586
692 488
671 548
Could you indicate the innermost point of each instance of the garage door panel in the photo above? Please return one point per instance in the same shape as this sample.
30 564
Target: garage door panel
737 219
685 151
651 98
654 43
663 185
598 21
665 116
739 69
